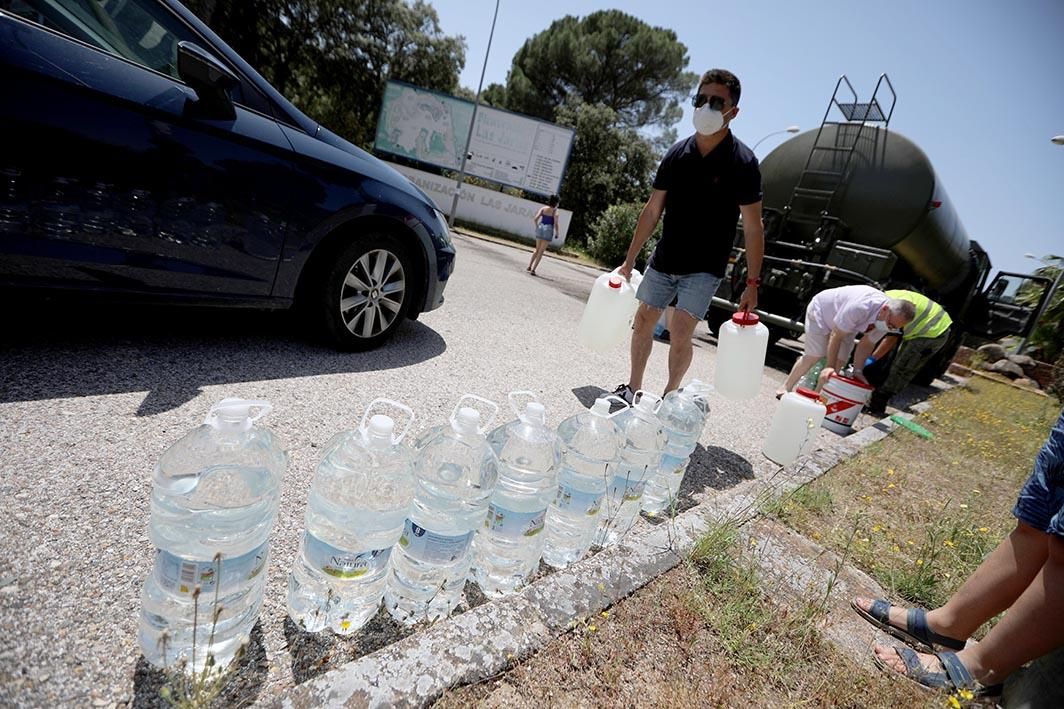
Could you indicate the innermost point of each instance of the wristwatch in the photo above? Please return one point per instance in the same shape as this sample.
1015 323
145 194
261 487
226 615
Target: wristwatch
755 282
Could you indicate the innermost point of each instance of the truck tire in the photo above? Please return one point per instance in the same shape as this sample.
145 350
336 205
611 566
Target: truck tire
365 293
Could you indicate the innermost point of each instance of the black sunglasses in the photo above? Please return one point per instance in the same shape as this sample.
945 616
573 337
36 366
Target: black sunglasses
715 102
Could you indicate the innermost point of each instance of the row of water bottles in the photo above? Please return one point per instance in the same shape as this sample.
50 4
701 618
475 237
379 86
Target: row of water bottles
403 524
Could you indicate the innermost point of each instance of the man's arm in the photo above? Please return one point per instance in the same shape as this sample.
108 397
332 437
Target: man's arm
754 242
648 219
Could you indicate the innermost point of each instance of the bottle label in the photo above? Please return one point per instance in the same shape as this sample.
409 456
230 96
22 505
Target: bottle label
434 548
574 501
178 575
514 525
625 489
343 564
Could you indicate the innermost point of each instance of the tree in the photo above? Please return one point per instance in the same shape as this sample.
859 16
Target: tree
609 164
332 57
1047 338
607 58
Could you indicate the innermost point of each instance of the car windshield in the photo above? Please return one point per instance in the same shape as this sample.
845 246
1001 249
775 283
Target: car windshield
138 31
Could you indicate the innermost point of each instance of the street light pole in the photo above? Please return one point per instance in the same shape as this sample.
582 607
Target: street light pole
789 129
472 123
1049 297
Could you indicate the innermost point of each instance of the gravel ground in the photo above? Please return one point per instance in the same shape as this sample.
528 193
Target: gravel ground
90 397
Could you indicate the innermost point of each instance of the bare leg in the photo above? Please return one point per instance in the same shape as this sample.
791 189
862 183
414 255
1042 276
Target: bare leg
537 256
1033 627
993 586
681 329
642 342
801 366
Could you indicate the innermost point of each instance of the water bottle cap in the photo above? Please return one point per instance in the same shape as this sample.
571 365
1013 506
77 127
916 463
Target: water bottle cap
745 319
615 282
381 425
467 419
536 412
601 407
236 414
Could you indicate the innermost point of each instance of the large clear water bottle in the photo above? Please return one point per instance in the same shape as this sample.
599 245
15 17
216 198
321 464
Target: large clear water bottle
214 502
507 548
701 391
644 441
590 444
359 500
682 417
455 472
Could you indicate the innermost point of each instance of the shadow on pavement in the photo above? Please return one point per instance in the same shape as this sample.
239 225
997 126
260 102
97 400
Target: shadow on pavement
316 653
57 350
240 688
712 468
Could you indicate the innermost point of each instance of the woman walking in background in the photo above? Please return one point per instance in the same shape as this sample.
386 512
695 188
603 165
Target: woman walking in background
546 221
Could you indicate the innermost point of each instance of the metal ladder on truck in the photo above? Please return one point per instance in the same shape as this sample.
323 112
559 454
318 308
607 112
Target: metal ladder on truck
828 163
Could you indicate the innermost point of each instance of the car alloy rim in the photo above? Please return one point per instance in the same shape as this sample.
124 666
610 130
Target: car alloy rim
372 293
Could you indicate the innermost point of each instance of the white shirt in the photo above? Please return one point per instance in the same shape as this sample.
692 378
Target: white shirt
849 309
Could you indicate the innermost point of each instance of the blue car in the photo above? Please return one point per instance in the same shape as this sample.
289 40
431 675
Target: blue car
143 158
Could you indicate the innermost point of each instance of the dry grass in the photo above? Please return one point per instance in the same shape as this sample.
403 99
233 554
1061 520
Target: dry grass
704 634
928 511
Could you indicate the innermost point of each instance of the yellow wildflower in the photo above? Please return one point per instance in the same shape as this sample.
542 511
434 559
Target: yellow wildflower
919 562
949 543
953 702
984 530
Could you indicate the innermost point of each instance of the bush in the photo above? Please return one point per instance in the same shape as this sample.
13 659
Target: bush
612 232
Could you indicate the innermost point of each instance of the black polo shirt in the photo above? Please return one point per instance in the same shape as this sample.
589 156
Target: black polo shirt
702 201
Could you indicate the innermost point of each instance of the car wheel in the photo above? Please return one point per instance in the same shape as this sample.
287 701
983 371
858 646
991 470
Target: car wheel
366 293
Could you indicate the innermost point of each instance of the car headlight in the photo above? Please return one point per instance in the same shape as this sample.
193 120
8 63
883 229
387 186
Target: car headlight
444 231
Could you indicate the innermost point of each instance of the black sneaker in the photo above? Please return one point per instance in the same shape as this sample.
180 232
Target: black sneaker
625 392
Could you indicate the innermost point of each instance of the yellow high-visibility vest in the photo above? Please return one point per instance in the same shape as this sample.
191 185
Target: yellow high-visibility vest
931 318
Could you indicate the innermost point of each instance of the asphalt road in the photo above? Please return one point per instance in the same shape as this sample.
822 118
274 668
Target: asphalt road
90 397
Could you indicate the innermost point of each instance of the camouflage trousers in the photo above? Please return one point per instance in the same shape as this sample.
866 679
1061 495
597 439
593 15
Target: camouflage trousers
910 358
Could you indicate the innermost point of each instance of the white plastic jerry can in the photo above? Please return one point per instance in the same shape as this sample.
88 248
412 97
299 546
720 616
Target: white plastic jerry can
741 348
607 317
794 427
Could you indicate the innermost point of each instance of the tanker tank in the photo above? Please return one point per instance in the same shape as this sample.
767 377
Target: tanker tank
891 199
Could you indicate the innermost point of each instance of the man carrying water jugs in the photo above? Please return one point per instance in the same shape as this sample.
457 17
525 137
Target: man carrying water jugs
702 185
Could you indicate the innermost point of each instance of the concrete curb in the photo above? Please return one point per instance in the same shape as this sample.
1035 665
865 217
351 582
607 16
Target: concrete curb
484 641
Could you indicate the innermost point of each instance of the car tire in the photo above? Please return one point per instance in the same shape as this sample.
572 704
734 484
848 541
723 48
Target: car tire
366 292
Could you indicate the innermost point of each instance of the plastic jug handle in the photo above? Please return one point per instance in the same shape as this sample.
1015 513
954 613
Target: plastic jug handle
624 405
261 406
485 403
396 405
514 396
641 394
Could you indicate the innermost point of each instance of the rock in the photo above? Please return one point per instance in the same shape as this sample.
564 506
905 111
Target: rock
992 352
1009 369
1024 361
1026 383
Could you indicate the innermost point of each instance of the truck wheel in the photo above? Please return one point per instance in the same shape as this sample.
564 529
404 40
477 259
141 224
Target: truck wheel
366 292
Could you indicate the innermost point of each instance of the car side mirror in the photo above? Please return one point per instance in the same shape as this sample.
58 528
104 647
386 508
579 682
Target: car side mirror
209 78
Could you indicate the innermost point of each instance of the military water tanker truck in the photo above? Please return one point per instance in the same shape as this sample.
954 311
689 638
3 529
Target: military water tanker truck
853 202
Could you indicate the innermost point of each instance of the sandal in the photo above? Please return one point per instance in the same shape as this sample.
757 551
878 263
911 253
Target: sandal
915 632
955 676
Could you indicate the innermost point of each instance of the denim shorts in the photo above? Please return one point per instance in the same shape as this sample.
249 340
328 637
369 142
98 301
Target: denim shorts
1041 501
692 291
545 232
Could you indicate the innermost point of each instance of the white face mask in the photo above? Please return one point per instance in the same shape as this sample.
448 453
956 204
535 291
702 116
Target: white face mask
881 326
707 121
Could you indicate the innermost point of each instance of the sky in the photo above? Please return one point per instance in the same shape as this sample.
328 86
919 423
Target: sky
980 86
